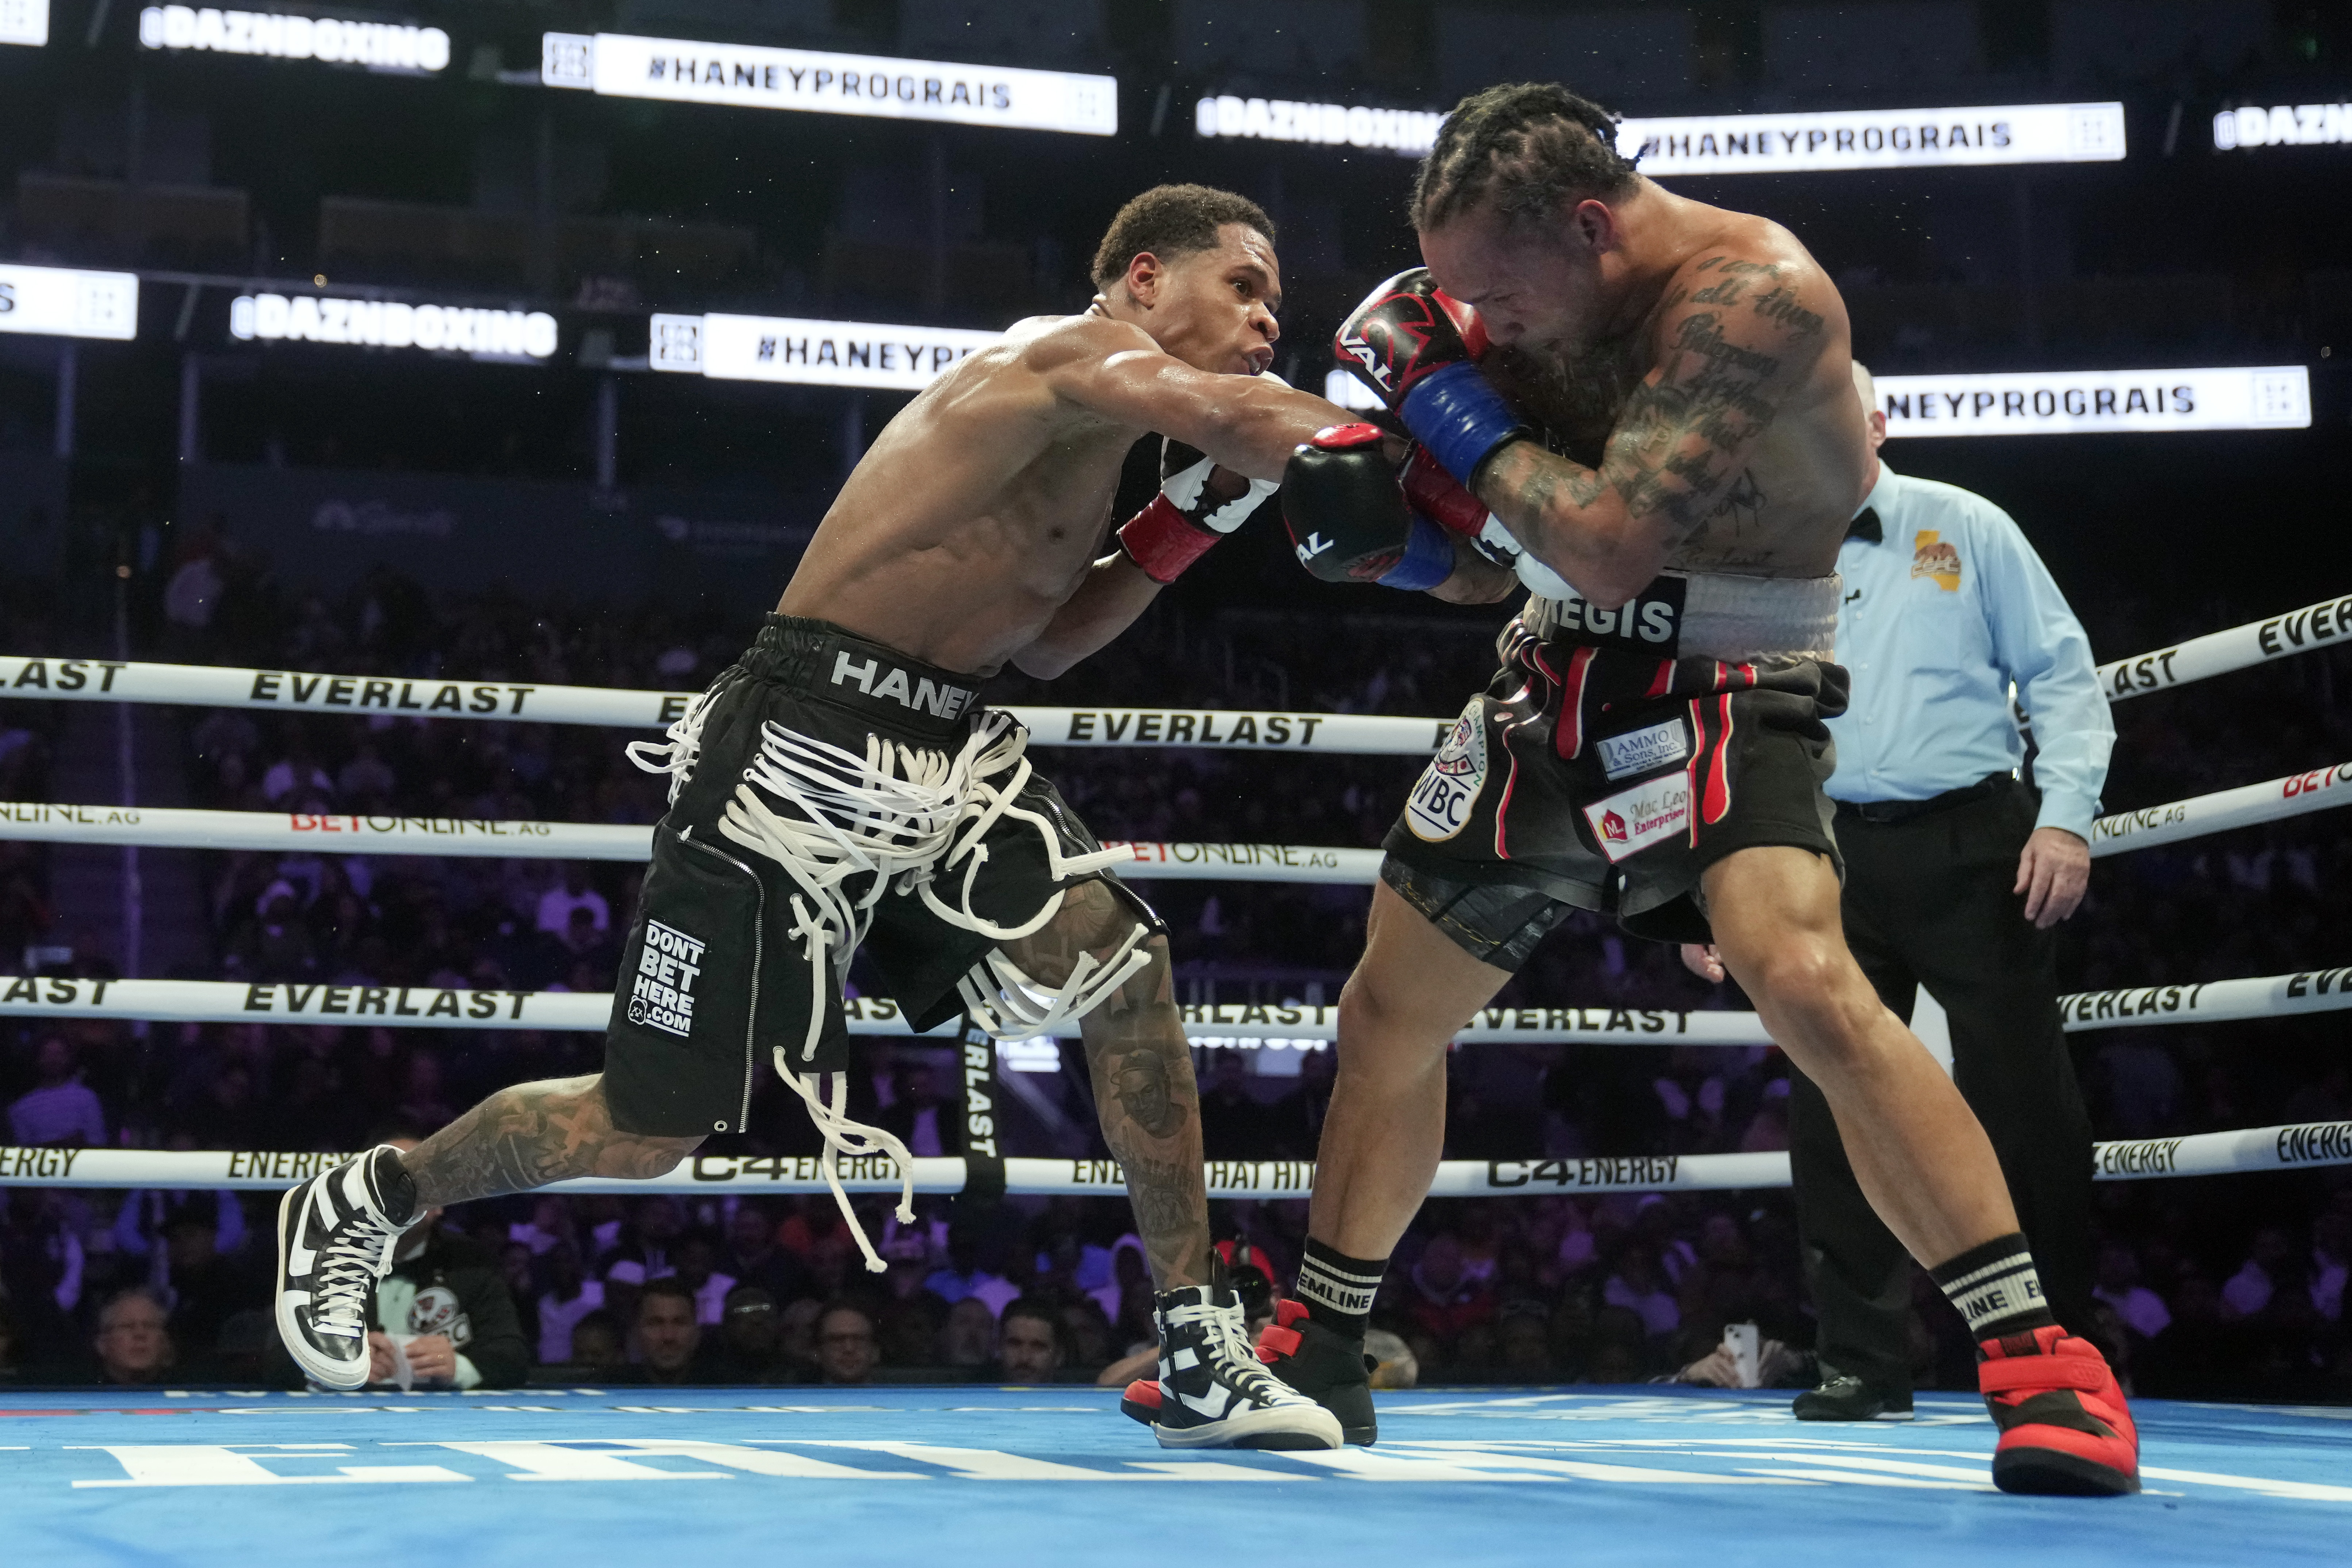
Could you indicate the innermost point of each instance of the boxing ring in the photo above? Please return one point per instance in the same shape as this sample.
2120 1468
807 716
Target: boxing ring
1465 1474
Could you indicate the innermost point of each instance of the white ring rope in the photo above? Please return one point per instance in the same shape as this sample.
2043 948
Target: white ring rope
2317 625
432 1008
2292 1147
172 828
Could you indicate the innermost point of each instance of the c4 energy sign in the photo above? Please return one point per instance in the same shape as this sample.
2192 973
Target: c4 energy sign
64 303
819 81
812 353
2071 402
1876 138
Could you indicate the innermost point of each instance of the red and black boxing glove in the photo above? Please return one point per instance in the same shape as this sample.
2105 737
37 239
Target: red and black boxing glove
1419 348
1348 518
1198 504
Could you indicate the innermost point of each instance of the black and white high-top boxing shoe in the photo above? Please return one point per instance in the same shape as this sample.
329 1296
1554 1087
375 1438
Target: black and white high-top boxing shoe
1214 1391
336 1235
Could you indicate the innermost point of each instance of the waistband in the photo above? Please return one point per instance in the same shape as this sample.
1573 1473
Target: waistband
1705 615
1889 812
819 659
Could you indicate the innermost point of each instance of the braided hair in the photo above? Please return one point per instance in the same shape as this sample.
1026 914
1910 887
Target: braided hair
1522 148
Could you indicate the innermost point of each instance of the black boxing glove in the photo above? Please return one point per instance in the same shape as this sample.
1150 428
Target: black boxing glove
1349 519
1186 517
1419 348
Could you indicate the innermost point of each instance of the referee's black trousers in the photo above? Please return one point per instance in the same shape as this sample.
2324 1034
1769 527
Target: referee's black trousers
1928 903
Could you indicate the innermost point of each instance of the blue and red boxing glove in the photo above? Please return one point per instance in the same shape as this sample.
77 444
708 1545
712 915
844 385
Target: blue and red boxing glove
1419 348
1350 518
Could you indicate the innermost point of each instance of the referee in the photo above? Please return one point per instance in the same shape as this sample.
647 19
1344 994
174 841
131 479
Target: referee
1956 871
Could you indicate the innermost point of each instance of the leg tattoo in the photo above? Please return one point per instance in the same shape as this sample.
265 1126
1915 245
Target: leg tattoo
1143 1070
532 1134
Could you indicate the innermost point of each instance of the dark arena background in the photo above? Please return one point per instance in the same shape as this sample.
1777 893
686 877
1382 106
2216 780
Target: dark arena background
402 409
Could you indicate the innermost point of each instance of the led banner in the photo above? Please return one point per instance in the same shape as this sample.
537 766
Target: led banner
24 22
379 45
2287 125
812 354
2067 402
64 303
747 75
1876 138
1408 131
390 324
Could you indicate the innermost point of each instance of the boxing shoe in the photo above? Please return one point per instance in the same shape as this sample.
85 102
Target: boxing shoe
1325 1366
1844 1397
1213 1392
2064 1428
336 1235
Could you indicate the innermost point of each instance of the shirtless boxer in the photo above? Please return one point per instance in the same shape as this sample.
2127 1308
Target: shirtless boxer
843 783
1653 745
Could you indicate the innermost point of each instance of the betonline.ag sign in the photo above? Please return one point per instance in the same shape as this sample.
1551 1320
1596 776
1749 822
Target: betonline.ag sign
64 303
390 324
379 45
810 353
1876 138
2068 403
747 75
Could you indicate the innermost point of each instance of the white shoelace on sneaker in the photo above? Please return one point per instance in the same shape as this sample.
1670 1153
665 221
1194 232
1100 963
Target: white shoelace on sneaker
1226 1351
349 1267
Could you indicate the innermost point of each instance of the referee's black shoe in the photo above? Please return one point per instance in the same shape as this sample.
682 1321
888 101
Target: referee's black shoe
1842 1397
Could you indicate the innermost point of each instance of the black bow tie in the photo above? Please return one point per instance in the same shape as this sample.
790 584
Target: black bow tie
1866 526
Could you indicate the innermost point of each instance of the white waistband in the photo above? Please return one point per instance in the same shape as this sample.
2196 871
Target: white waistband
1729 616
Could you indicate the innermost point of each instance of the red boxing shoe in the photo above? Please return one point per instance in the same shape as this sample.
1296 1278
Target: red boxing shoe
1141 1400
2064 1428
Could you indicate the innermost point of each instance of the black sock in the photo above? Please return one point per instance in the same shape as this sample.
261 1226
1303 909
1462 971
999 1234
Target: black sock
1338 1290
1995 1289
397 1187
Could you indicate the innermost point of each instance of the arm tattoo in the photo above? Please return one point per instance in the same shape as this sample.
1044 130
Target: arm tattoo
532 1134
1141 1065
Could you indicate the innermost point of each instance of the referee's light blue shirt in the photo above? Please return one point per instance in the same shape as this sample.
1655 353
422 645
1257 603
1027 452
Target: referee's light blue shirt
1949 607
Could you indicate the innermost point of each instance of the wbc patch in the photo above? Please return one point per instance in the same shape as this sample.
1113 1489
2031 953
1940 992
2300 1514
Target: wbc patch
1439 806
661 994
1660 745
1633 820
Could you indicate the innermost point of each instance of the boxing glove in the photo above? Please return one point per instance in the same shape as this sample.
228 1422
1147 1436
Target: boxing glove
1188 516
1419 348
1348 520
1431 493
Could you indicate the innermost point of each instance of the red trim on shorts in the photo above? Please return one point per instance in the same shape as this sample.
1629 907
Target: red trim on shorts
1503 807
1719 767
1568 729
1662 683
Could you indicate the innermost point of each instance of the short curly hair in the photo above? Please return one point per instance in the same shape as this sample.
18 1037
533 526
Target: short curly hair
1520 149
1171 221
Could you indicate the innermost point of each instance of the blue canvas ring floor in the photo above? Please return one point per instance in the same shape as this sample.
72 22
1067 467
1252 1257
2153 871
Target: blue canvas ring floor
976 1476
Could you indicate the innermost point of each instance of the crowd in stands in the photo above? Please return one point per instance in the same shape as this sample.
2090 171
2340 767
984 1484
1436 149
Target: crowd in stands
2229 1287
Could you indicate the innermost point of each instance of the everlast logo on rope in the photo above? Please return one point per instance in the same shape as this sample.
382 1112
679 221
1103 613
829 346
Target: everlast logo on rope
979 1073
661 994
873 678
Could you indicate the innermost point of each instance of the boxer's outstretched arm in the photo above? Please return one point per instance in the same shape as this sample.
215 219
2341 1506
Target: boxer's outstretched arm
1735 339
1248 424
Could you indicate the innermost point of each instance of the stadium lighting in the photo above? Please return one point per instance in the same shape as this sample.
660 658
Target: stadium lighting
2073 402
822 82
809 352
390 324
24 22
379 45
2286 125
65 302
1876 138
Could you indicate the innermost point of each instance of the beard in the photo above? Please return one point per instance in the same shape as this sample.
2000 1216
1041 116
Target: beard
1574 402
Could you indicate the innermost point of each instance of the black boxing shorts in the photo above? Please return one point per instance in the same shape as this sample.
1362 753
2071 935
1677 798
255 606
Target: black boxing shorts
830 793
1609 765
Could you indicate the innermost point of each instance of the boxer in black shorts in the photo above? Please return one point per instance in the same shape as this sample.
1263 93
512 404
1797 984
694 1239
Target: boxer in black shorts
1639 406
843 784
